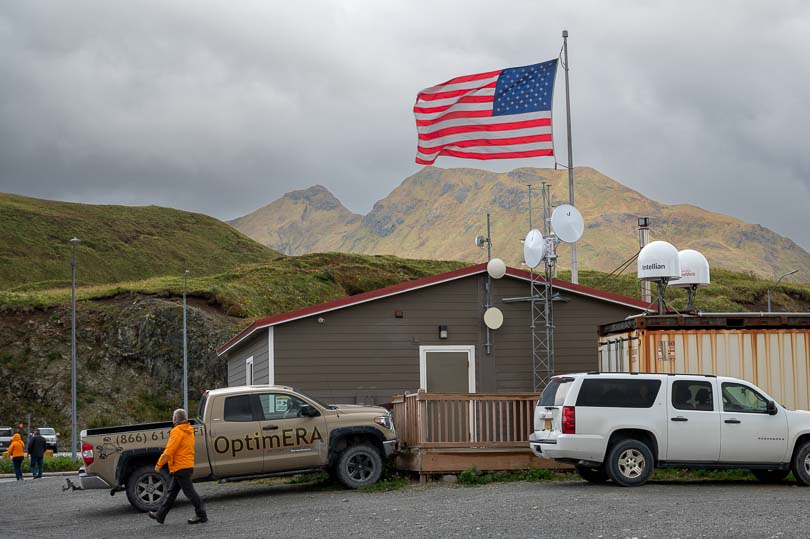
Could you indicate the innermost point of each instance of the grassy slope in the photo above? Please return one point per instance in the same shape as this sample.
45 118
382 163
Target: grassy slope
119 243
288 283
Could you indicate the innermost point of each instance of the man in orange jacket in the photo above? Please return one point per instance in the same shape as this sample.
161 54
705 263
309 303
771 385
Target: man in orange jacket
16 451
179 455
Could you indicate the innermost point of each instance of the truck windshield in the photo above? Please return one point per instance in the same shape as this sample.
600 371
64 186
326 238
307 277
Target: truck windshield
48 432
555 392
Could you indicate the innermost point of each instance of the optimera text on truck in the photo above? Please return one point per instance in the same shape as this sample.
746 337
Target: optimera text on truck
244 433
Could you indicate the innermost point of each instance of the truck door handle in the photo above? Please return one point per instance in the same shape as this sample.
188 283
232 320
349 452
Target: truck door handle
270 427
733 421
679 419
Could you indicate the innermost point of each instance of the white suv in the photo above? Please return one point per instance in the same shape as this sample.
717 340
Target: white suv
620 426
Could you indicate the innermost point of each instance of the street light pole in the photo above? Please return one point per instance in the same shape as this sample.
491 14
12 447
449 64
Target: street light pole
776 283
73 433
185 345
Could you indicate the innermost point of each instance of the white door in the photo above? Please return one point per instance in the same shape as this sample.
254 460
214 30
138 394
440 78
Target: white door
448 369
693 420
750 434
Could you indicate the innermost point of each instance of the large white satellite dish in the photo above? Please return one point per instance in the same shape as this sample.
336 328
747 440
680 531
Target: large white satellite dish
567 223
534 248
493 318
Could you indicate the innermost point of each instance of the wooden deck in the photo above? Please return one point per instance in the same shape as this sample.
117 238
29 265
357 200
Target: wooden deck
452 432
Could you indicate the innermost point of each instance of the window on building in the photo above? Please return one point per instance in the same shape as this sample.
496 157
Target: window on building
692 395
249 371
618 393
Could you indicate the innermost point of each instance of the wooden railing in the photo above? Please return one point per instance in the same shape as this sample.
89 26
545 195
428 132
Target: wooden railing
442 420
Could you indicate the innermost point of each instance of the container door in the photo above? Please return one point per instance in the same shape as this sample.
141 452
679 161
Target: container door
750 434
693 421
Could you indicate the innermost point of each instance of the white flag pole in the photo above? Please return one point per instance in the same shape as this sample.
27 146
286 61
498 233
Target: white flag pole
574 268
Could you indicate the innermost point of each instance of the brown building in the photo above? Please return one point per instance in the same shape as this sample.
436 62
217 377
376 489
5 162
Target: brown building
371 346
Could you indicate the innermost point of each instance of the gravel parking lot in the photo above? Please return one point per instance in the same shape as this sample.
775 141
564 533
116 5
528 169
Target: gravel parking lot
551 509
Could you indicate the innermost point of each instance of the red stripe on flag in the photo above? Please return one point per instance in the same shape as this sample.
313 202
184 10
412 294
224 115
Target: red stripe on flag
465 99
453 93
457 114
538 122
468 78
487 156
488 142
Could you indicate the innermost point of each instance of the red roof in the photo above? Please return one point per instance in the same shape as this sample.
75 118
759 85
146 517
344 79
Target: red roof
408 286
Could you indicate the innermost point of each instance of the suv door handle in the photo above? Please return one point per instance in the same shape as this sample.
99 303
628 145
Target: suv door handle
679 419
733 421
270 427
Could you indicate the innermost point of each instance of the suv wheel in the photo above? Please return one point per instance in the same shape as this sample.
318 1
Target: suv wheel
146 488
770 476
630 463
359 465
592 475
801 464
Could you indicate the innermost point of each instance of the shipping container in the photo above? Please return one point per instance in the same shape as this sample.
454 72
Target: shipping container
771 351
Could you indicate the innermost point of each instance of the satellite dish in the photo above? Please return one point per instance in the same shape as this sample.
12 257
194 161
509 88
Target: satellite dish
694 269
567 223
493 318
534 248
496 268
480 241
658 261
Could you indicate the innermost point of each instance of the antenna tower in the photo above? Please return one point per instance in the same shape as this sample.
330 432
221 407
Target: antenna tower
542 309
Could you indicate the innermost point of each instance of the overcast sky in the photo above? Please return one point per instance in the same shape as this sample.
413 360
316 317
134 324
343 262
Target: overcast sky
222 107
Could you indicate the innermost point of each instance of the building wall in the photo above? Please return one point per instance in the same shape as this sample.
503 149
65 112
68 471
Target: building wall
256 346
364 354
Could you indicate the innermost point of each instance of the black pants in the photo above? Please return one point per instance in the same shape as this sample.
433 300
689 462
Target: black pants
181 480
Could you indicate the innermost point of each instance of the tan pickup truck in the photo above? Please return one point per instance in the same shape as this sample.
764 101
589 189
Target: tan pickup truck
244 433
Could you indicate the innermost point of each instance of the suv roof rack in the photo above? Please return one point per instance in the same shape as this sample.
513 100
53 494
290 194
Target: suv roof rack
659 373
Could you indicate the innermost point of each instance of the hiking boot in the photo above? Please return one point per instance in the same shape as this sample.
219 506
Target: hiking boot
155 516
197 520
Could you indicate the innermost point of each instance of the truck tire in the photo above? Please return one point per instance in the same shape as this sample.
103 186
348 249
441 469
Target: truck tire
801 464
146 488
770 476
359 465
630 463
592 475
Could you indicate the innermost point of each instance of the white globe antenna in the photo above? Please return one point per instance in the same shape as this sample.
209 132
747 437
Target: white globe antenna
694 274
567 223
534 248
493 318
658 261
496 268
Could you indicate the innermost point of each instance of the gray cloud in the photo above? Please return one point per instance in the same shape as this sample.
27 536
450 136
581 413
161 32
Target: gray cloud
221 107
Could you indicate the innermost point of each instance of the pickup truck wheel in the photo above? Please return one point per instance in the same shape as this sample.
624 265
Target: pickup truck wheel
630 463
770 476
146 488
801 465
592 475
359 465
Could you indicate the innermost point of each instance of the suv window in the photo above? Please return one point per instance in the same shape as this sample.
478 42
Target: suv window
277 406
555 392
618 393
692 395
5 432
740 398
239 408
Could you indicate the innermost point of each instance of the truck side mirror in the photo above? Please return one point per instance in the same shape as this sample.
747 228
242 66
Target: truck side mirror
771 407
308 410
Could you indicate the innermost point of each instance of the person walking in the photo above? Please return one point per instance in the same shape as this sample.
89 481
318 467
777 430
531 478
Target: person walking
36 450
16 450
179 455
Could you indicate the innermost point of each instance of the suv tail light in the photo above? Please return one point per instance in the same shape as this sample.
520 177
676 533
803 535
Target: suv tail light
87 454
569 420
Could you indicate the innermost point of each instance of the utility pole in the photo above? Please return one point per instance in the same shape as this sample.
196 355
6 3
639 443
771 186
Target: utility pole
776 283
73 434
574 266
644 239
185 345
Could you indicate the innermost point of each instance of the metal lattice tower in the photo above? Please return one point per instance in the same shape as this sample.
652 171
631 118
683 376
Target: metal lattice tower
542 309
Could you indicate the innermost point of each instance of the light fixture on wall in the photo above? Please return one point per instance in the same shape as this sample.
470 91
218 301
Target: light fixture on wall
442 332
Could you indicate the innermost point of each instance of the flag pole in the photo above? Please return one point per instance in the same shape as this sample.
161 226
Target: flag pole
574 269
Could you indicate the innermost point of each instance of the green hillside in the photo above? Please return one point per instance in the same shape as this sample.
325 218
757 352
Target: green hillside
118 243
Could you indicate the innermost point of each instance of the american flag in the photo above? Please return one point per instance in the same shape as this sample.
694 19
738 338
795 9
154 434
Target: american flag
504 114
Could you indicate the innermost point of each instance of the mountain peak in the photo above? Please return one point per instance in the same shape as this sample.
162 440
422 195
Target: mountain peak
317 196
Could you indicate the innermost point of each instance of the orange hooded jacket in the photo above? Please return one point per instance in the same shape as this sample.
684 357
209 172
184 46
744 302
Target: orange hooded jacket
179 452
16 448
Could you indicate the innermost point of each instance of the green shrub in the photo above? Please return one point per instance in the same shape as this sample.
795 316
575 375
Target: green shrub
53 464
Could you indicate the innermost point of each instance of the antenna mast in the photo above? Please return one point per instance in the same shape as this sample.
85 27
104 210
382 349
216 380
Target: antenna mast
542 309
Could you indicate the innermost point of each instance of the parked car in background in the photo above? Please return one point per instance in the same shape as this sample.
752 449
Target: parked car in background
51 438
5 437
619 426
